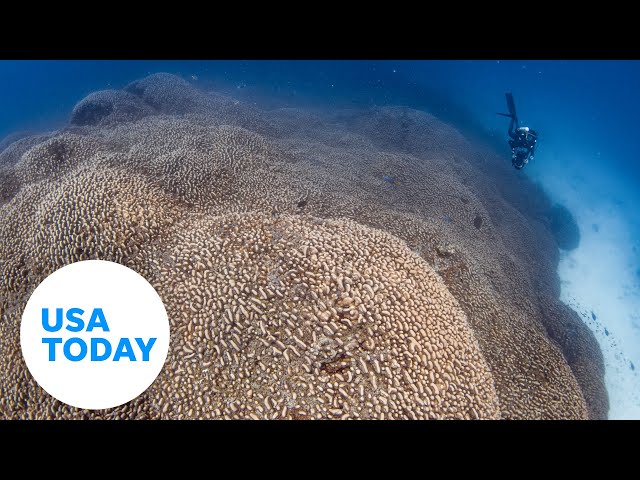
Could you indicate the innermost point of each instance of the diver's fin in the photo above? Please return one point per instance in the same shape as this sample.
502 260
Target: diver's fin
511 105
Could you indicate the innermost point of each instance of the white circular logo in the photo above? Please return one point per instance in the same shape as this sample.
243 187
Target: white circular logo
94 334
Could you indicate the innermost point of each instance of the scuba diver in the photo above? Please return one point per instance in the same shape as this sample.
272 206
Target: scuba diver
523 139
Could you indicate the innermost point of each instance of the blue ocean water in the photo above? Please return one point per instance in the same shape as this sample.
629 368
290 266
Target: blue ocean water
587 156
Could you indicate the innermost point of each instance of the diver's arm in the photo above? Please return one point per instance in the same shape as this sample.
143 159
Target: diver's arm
532 142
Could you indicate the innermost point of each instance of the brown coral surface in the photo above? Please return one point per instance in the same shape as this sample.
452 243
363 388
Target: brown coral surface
351 264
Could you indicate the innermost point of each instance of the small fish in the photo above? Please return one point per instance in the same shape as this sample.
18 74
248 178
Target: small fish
632 366
194 78
447 218
593 315
606 332
302 203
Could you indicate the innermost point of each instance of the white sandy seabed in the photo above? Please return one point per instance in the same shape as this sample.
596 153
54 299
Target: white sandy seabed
600 279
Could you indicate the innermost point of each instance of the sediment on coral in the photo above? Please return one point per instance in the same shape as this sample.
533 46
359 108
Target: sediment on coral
353 264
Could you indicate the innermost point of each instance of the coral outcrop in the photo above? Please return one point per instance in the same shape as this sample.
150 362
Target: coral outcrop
300 282
564 227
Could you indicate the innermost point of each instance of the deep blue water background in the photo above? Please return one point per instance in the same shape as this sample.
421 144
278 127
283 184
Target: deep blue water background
586 113
585 108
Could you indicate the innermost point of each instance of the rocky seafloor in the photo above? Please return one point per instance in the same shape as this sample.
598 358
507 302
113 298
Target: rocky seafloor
346 264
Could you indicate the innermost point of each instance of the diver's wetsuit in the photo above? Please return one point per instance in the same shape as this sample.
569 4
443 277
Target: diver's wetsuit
522 144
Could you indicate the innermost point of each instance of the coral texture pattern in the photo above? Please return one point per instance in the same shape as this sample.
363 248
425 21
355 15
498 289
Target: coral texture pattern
342 265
